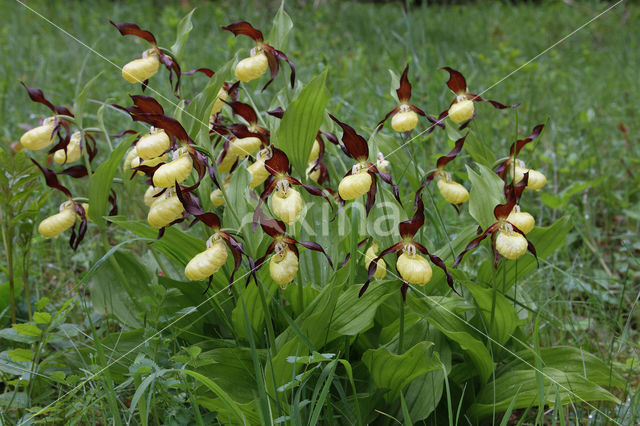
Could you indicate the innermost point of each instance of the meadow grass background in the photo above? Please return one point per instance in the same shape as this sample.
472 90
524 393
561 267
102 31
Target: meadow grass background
586 87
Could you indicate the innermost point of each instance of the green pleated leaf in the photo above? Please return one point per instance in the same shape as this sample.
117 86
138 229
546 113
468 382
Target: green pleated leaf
301 122
175 244
570 360
486 193
440 313
282 24
42 317
559 386
393 372
505 319
353 314
184 28
100 182
27 329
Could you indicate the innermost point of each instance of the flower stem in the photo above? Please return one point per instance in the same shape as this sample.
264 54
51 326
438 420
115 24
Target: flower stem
267 318
401 336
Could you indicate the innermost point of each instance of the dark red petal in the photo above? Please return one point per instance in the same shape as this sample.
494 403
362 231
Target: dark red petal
446 159
355 145
387 179
522 142
315 247
404 91
373 266
37 95
258 264
52 179
475 243
456 82
128 28
371 194
277 112
439 263
348 256
244 28
330 137
386 117
75 171
206 71
496 104
280 56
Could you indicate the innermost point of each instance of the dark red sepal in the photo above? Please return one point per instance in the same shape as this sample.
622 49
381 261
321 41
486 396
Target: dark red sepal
278 164
404 91
354 145
475 243
128 28
409 228
52 179
456 82
206 71
245 28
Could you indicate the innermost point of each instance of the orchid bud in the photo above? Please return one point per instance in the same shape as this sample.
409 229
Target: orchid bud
153 144
383 164
128 159
315 151
175 171
258 172
252 67
219 103
369 256
59 222
207 263
414 268
216 197
287 205
461 111
139 70
510 244
245 146
39 137
355 185
315 174
283 267
522 220
150 195
452 191
404 120
536 179
72 152
164 211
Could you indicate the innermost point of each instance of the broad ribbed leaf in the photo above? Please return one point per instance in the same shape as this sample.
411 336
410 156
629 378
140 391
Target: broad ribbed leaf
100 182
175 244
393 372
505 319
568 388
486 192
439 312
301 122
353 315
282 24
570 360
184 28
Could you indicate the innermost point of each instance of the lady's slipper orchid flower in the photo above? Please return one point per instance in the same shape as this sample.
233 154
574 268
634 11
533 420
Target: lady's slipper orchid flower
405 115
263 56
141 70
412 267
507 239
451 191
286 201
283 265
516 168
69 212
462 109
361 179
206 263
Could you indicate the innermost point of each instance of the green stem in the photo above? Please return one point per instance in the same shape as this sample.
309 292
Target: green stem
7 239
267 318
25 280
401 336
354 214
